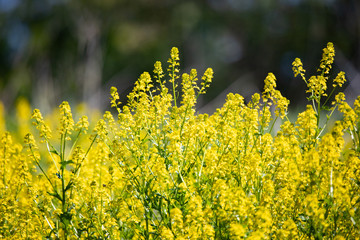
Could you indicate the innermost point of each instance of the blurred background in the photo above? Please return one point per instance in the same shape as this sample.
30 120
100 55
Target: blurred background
55 50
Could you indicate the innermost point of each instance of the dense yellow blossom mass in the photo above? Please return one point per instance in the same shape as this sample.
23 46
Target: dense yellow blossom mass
160 170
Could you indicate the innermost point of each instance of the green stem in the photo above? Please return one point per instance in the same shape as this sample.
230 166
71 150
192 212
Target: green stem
173 84
273 124
75 142
328 117
62 167
87 152
4 170
329 97
41 169
318 118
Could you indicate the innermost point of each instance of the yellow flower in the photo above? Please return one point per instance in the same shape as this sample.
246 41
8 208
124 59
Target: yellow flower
82 124
44 129
307 128
173 64
66 120
327 58
177 218
188 97
269 87
101 130
206 80
159 73
298 68
166 233
30 140
349 115
317 85
339 98
57 212
114 99
237 231
339 80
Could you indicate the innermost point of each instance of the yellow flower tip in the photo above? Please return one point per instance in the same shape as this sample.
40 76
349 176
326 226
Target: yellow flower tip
173 60
349 119
6 139
64 106
317 85
208 75
37 116
357 105
158 70
114 97
339 80
66 119
185 77
113 90
29 139
101 129
174 53
206 79
269 86
327 58
44 129
82 124
255 98
340 97
298 68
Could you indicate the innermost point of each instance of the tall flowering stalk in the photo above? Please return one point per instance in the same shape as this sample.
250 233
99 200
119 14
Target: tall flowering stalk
317 85
64 167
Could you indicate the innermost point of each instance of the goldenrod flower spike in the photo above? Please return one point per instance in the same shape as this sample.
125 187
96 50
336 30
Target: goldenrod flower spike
101 130
174 70
327 59
159 73
29 140
44 129
114 98
339 80
188 97
269 88
206 80
298 68
317 87
66 120
82 125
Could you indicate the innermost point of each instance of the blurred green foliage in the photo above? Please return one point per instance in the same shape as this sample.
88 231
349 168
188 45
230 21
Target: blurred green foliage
54 50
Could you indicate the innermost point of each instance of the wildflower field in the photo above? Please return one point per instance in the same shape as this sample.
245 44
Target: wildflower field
156 169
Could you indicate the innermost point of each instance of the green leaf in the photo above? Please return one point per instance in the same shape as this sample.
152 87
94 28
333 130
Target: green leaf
65 218
326 108
55 152
65 163
68 186
55 194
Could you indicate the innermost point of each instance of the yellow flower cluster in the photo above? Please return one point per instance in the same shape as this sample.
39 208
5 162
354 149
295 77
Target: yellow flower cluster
327 58
159 170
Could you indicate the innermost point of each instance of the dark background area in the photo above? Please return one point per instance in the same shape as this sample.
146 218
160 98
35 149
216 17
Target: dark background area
55 50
